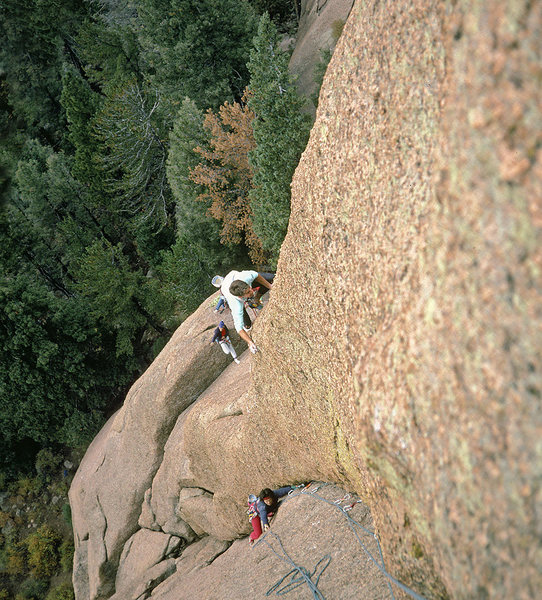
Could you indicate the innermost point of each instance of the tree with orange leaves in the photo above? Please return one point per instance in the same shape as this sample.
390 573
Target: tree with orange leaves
226 174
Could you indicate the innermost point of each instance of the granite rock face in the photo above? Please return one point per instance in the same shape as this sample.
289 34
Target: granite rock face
146 560
400 351
108 490
415 231
309 532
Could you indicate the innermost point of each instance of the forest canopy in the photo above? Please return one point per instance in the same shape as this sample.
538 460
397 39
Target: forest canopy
146 146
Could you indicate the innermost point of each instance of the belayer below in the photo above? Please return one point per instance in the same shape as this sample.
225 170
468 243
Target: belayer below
221 305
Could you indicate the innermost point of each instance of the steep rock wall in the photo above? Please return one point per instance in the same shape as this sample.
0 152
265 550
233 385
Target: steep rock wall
400 349
408 287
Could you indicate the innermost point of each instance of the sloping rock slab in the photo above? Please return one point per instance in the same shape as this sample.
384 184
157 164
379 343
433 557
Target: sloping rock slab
141 588
109 487
143 551
306 530
203 478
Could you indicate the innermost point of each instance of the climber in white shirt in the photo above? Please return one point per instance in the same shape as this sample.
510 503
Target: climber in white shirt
246 285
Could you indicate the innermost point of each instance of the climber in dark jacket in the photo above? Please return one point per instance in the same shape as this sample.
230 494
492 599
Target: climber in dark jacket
266 506
268 502
222 337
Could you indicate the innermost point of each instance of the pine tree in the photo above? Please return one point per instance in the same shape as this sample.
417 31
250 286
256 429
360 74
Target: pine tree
197 49
81 104
281 131
109 48
65 255
123 172
36 42
117 295
187 269
58 369
197 254
282 12
227 175
187 134
131 129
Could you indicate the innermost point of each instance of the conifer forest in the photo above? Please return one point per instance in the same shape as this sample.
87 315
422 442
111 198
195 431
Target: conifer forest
147 145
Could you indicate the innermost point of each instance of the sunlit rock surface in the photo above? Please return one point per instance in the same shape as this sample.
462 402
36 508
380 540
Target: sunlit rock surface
400 349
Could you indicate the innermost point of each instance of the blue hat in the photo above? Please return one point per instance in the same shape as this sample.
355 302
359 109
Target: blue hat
217 281
221 324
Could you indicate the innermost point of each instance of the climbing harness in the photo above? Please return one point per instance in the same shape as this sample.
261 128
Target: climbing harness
252 510
252 310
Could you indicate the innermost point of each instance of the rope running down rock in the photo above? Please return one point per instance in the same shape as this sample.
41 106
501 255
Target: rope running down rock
301 575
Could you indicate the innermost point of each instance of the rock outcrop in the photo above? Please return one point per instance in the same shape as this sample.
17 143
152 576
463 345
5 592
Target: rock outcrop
319 27
310 532
415 230
109 487
400 349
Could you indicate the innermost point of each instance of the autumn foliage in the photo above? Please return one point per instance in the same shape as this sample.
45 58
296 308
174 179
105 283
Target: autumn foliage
226 174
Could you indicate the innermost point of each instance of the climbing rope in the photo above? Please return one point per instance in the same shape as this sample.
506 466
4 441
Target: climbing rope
300 575
355 527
